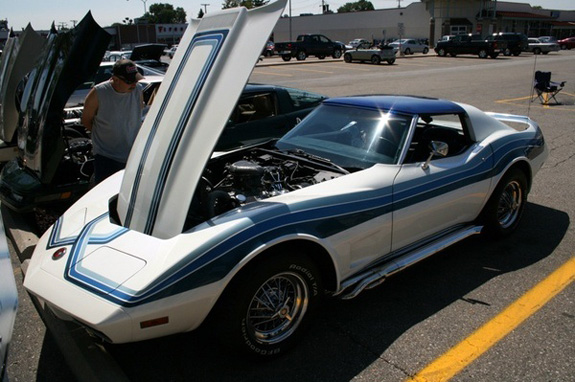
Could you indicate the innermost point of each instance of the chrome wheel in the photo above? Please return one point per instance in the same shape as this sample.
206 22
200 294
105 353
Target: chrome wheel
277 308
502 213
510 204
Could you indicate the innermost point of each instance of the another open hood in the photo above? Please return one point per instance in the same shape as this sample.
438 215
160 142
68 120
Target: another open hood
18 58
203 83
68 59
148 52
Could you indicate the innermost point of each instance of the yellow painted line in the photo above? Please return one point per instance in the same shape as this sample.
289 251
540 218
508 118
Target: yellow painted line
310 70
264 73
471 348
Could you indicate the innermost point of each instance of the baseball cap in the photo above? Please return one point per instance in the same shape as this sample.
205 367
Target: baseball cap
127 71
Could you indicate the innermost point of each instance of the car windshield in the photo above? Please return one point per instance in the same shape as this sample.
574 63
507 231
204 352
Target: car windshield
351 137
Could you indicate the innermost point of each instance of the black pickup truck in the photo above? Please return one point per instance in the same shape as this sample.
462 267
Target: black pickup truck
470 44
309 45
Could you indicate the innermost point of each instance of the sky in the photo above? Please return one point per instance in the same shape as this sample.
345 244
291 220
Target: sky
42 13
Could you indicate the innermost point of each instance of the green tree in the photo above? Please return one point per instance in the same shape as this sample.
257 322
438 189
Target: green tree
243 3
358 6
165 14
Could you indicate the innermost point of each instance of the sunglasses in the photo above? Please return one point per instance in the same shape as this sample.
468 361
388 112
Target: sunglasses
128 81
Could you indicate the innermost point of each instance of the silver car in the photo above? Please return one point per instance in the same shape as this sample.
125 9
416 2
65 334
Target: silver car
410 46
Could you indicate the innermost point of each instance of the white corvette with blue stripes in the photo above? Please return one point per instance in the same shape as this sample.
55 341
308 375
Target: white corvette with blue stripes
248 242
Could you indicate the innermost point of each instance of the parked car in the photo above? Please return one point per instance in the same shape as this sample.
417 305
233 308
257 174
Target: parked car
116 55
355 43
249 241
470 44
547 39
409 46
268 50
567 43
446 37
310 45
8 302
375 56
537 46
515 42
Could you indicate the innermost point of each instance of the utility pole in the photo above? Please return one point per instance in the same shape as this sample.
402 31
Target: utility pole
398 3
205 7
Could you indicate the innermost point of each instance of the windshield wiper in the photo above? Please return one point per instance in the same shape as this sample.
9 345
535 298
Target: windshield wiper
316 158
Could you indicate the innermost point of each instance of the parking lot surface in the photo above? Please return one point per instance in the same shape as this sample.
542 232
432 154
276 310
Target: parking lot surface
406 325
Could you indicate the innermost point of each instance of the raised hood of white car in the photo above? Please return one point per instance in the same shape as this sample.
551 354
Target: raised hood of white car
204 81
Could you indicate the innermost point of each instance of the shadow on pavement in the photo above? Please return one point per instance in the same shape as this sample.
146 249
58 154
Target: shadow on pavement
349 336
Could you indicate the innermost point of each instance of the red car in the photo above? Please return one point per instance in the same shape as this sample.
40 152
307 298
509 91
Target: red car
567 43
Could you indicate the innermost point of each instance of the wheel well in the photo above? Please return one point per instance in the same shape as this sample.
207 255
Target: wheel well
314 251
524 167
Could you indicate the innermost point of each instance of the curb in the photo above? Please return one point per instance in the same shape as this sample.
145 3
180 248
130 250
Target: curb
88 360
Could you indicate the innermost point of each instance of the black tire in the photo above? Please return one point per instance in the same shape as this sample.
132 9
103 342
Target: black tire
516 53
502 213
482 53
286 57
537 51
407 51
375 59
293 289
425 50
336 53
441 52
347 57
391 61
507 52
301 55
563 47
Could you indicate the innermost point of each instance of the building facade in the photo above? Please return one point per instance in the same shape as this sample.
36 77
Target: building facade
431 19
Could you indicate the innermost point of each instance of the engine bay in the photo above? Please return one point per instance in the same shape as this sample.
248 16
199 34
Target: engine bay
246 176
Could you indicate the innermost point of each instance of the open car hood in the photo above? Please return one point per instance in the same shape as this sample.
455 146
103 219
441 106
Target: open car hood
148 52
18 58
68 59
191 109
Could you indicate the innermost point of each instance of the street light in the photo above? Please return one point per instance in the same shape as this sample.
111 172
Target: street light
145 8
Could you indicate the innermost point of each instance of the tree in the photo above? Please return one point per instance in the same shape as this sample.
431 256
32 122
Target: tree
200 13
165 14
243 3
358 6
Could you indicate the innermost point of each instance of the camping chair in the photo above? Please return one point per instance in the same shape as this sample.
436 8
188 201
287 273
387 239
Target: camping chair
545 89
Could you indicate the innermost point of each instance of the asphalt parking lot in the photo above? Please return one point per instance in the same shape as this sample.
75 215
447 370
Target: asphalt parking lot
404 329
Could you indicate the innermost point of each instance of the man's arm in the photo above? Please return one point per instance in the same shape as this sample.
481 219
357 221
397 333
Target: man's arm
90 109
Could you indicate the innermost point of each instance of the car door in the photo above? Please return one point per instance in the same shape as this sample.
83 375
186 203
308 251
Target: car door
450 191
325 46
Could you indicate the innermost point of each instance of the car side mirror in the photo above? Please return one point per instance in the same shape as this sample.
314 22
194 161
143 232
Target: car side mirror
437 149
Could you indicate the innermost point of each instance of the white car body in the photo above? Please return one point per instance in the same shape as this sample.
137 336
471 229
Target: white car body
145 254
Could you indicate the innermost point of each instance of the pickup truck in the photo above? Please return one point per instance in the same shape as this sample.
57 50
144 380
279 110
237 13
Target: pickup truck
310 45
470 44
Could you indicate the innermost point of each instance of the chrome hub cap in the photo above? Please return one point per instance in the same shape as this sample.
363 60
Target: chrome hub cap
277 308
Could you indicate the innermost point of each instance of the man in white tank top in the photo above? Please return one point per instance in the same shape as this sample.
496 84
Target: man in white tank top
113 113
